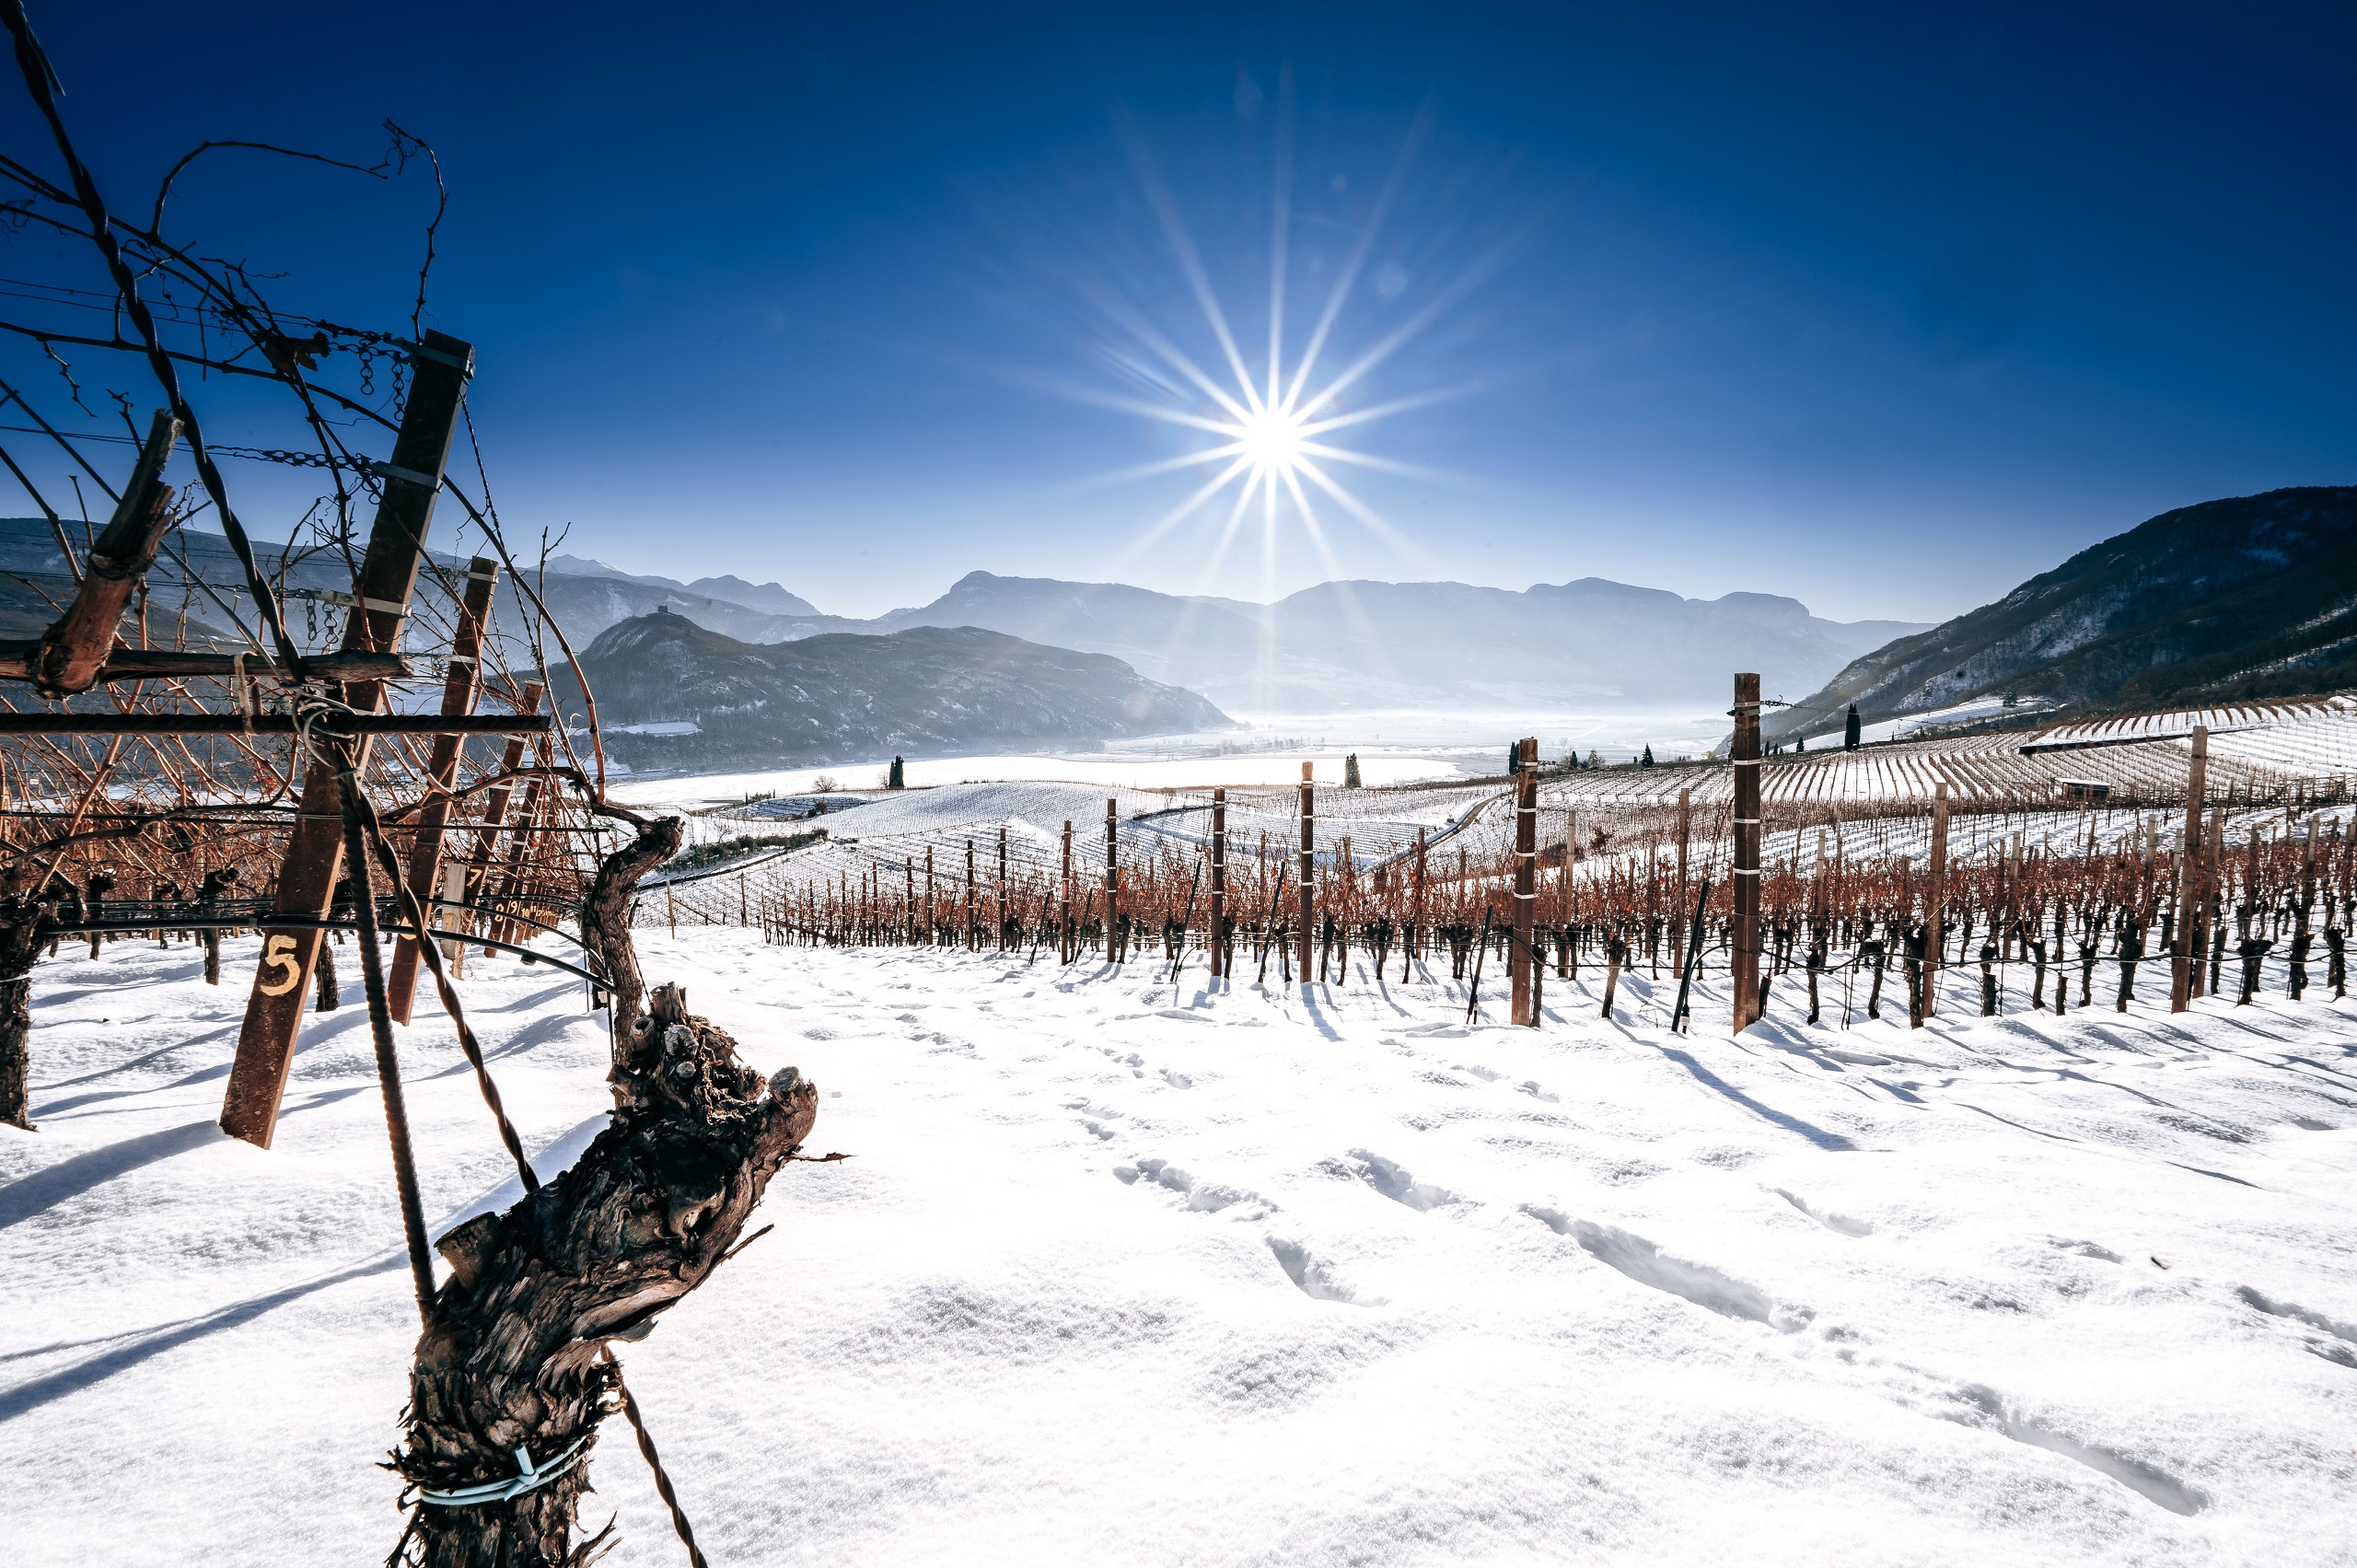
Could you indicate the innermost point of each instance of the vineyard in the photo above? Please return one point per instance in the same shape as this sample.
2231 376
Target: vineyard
2055 861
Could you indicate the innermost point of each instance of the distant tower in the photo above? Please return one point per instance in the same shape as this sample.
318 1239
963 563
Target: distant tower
1849 730
1513 760
899 777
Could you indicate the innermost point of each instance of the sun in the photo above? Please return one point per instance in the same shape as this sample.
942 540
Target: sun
1265 414
1275 440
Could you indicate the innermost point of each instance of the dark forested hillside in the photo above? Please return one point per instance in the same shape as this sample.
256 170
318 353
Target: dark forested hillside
2252 597
842 698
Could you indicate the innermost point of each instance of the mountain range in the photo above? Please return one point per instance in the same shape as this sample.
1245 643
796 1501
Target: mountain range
2250 596
1341 645
1589 643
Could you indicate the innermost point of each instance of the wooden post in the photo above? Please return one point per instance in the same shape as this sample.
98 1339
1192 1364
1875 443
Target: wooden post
504 926
1308 870
1745 753
1219 882
307 878
1001 886
1420 880
1112 842
2185 958
1678 912
1525 881
1068 949
1937 888
71 652
476 886
441 771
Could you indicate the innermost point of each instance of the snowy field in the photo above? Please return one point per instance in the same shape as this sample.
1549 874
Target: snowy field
1124 1273
1242 770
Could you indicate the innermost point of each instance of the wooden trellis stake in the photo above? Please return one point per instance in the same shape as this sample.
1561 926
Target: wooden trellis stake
442 771
1308 870
1112 825
1526 882
307 878
2186 960
476 886
1938 887
1744 752
1219 881
70 653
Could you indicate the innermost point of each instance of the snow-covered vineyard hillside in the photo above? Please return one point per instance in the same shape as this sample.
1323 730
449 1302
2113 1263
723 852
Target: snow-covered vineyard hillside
1129 1270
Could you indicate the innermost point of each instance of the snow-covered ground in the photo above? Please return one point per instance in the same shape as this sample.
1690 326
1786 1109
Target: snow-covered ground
1240 769
1126 1272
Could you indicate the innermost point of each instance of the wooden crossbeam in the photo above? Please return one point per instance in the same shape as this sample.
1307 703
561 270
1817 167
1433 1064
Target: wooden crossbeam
20 658
272 724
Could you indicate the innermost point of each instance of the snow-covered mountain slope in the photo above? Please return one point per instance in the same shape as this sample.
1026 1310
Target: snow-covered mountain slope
1131 1273
2252 597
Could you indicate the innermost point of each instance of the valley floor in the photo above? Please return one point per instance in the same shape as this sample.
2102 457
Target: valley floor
1129 1273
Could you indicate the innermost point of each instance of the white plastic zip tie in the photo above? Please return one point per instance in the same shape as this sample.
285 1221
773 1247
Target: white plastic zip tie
530 1479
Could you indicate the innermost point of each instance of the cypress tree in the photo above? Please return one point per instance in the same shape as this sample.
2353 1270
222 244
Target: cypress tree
1647 760
1849 730
899 779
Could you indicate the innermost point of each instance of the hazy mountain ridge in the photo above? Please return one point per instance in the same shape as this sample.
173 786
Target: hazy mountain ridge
838 698
1361 644
2247 597
1376 645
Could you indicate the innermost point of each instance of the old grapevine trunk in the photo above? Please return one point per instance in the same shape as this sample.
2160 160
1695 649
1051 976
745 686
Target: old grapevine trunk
510 1372
605 913
24 926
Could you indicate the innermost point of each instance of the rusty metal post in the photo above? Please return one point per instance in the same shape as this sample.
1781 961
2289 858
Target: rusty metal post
306 878
1745 753
2185 960
1308 871
441 771
1525 880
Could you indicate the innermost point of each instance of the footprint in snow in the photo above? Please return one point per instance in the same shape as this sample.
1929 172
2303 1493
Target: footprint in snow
2344 1335
2084 1249
1388 1178
1315 1276
1843 1224
1983 1407
1648 1264
1202 1197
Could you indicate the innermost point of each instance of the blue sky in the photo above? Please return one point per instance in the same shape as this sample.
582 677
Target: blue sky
1886 307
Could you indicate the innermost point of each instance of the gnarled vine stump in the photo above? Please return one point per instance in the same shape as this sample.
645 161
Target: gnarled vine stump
512 1361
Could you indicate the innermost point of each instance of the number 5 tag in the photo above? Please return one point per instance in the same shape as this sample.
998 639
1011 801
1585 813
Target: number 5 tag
279 953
